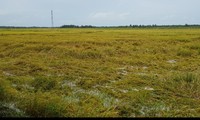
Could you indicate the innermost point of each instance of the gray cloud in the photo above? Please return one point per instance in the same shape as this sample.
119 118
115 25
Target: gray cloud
99 12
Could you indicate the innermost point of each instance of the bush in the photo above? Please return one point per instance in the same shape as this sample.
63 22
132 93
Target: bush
184 53
188 77
43 83
184 85
2 94
44 104
195 46
3 85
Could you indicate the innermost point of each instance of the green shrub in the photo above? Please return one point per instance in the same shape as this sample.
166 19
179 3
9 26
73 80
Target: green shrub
195 47
41 104
184 53
184 85
43 83
2 93
188 77
3 86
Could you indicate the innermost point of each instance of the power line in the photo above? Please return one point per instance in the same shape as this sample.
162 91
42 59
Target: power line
52 23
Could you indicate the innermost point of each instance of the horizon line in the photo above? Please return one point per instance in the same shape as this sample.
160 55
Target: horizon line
73 25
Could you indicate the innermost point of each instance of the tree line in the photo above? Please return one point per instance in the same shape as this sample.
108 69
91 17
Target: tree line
125 26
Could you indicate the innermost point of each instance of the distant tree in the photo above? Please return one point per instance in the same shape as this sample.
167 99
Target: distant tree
154 25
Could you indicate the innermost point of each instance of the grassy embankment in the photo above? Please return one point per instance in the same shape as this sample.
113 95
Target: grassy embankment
100 72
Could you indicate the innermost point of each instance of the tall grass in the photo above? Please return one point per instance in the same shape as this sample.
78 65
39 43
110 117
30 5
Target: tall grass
99 72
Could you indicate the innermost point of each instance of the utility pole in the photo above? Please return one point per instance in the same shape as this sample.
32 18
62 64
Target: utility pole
52 25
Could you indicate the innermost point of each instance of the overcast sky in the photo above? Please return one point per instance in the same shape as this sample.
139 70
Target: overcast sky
98 12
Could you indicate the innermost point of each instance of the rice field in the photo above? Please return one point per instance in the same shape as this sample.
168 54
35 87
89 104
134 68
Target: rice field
100 72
